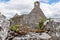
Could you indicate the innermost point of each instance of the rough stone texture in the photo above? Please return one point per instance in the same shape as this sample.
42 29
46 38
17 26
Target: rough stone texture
4 27
53 30
34 36
30 19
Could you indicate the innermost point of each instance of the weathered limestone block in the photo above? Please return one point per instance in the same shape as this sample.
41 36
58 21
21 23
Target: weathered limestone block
4 27
34 36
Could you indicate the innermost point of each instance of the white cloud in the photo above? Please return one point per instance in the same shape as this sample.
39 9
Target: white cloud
12 7
51 10
56 9
16 6
46 8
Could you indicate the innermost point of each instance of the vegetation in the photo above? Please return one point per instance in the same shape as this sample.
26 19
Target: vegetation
40 25
14 28
21 29
38 29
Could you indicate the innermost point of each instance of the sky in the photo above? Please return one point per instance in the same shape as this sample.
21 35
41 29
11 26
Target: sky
51 8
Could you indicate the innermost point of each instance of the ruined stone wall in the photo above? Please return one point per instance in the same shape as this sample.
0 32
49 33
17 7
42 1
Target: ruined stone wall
32 18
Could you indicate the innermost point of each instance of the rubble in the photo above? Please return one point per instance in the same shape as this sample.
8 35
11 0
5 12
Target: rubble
4 27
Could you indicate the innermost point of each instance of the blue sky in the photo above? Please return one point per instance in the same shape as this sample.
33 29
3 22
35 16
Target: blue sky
53 1
50 1
4 0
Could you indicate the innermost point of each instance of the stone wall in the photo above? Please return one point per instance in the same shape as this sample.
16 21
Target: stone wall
30 19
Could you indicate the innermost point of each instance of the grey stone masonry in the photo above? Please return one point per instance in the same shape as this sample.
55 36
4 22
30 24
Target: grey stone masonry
30 19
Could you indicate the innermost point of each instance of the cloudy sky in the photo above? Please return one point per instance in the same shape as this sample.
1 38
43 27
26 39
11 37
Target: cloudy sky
9 8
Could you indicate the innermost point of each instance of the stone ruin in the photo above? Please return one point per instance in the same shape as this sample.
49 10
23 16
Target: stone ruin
35 15
52 34
31 19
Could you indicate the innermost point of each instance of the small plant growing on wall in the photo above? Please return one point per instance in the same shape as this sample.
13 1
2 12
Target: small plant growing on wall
40 24
20 29
14 28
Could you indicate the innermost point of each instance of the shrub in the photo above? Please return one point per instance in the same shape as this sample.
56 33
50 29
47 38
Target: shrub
14 28
40 25
20 29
